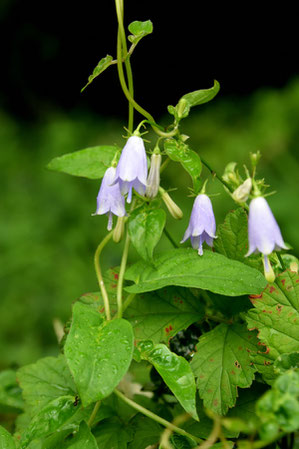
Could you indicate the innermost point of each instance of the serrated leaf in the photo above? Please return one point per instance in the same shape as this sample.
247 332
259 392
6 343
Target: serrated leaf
10 392
112 433
286 361
102 65
49 419
6 440
89 163
276 317
47 379
82 439
184 267
176 373
98 353
232 239
145 229
139 30
180 152
222 363
160 315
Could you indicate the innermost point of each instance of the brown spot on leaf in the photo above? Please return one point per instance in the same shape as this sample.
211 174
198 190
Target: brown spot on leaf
215 402
211 360
233 372
240 348
170 327
283 281
279 308
272 289
237 364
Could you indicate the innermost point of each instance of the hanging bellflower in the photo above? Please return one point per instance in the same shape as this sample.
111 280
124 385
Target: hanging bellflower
110 200
131 170
202 225
263 233
153 180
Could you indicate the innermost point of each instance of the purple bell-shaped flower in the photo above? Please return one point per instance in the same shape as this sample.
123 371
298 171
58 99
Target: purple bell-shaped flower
110 200
131 171
202 225
263 231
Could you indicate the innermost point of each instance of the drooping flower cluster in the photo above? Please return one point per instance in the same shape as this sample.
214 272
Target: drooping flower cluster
131 172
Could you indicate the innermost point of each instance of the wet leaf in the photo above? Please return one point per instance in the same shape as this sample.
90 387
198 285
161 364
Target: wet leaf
222 363
98 352
175 371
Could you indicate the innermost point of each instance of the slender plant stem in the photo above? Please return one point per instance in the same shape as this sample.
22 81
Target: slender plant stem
214 173
155 417
128 301
281 261
93 413
213 437
99 273
122 270
172 241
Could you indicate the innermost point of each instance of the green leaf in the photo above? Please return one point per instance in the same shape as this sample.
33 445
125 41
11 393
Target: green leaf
47 379
139 30
112 433
6 440
222 363
10 392
82 439
184 267
102 65
175 371
286 361
180 152
195 98
276 317
146 432
98 352
49 419
145 229
160 315
88 163
232 239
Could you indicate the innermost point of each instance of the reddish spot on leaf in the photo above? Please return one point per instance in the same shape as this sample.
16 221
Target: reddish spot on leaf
102 310
279 308
166 330
215 402
209 390
202 376
237 364
256 296
248 350
115 275
113 285
233 372
272 289
170 327
297 280
267 362
240 348
283 281
211 360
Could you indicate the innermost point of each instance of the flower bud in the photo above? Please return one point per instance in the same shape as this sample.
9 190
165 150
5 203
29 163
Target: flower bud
182 108
240 195
118 231
153 180
173 208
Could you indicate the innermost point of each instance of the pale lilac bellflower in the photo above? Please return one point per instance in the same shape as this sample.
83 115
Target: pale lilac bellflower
263 232
202 225
131 171
110 200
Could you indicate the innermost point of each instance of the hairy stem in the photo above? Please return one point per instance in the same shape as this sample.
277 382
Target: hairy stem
155 417
99 273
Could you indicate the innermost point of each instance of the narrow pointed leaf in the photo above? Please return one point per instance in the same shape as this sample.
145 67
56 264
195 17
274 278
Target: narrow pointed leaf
176 373
88 163
185 268
103 64
201 96
222 363
98 352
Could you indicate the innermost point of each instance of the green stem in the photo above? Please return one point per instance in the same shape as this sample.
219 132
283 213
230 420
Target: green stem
155 417
122 270
172 241
93 414
128 301
99 274
281 261
214 173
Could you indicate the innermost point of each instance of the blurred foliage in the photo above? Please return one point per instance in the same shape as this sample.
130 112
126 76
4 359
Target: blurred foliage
48 236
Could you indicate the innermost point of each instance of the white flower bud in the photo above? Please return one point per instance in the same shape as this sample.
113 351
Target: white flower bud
153 180
240 195
173 208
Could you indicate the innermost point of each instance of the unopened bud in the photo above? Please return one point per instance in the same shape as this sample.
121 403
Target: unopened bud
268 270
240 195
153 180
118 231
254 158
173 208
182 108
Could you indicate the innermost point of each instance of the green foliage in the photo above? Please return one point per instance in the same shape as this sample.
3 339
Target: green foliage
6 440
183 267
139 30
98 352
102 65
83 438
89 163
